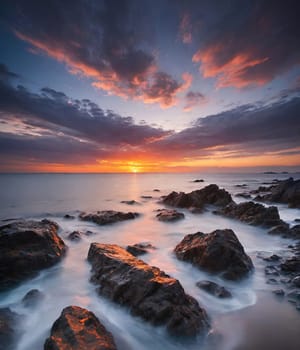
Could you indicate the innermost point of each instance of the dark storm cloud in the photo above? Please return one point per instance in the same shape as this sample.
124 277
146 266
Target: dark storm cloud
104 40
246 42
53 110
252 128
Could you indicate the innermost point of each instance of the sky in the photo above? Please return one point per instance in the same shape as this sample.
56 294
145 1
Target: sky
149 86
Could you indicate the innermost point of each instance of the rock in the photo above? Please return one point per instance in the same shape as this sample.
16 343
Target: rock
131 202
252 213
77 329
156 190
294 295
272 258
198 199
291 265
8 326
297 220
146 197
26 247
272 281
282 228
243 195
146 290
286 191
168 215
296 281
70 217
279 292
217 252
271 271
214 289
294 232
106 217
198 180
75 236
241 186
140 248
32 298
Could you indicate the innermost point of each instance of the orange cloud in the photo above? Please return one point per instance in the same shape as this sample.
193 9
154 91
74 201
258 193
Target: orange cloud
231 72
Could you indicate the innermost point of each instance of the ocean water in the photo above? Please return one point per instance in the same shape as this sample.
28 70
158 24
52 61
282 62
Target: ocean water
252 319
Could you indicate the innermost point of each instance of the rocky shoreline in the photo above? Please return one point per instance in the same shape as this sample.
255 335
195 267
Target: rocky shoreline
27 247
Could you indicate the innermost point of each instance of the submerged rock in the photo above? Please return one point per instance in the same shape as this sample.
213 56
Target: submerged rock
198 180
8 329
146 290
106 217
75 236
26 247
211 194
130 202
69 217
217 252
32 298
214 289
252 213
168 215
140 248
77 329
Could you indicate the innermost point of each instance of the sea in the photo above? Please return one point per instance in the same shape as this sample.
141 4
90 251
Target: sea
253 319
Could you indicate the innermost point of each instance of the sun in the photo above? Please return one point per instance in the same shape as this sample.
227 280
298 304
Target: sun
134 170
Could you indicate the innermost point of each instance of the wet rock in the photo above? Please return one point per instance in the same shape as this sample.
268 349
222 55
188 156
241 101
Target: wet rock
198 199
294 232
252 213
198 180
243 195
106 217
131 202
296 281
279 292
272 281
140 248
146 290
33 298
271 271
168 215
282 228
156 190
272 258
214 289
217 252
69 217
291 265
146 197
286 191
27 247
8 329
75 236
294 295
78 328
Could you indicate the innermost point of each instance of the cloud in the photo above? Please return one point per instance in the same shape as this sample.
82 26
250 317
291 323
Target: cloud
185 29
193 99
103 40
245 44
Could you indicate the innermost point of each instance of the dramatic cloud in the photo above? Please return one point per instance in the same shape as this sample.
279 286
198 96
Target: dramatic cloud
103 40
248 43
193 99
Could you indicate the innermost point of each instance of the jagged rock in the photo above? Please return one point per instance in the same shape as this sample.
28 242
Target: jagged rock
198 199
146 290
214 289
32 298
217 252
77 329
106 217
286 191
8 326
140 248
168 215
252 213
26 247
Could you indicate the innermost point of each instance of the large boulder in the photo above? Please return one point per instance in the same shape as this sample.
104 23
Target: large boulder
252 213
77 329
106 217
8 329
286 191
218 252
210 194
27 247
146 290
